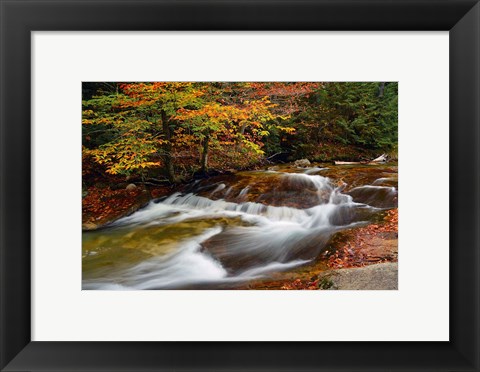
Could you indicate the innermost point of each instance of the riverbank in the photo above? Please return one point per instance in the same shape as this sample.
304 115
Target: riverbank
103 205
362 258
106 201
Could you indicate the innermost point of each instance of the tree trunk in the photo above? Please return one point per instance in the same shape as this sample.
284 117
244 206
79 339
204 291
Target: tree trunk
238 145
204 160
168 148
381 89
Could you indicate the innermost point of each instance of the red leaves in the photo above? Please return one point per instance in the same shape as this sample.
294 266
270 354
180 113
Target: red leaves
158 192
300 284
367 246
392 220
103 205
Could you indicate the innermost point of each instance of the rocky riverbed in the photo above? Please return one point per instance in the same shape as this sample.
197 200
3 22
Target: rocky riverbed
284 227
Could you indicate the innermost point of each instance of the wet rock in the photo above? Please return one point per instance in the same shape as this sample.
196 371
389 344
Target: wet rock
302 163
375 196
88 226
131 187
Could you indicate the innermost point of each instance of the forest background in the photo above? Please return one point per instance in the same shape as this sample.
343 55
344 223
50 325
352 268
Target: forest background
171 132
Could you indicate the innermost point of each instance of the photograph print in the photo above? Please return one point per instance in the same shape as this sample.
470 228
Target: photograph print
239 185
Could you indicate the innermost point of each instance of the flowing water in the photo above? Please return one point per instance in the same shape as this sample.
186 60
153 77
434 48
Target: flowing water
226 231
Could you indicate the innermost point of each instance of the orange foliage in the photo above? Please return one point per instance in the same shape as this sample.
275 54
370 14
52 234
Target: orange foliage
357 251
301 284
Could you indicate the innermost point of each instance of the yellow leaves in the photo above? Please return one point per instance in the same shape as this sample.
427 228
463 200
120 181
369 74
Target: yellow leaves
125 165
127 154
161 94
147 164
253 146
286 129
237 115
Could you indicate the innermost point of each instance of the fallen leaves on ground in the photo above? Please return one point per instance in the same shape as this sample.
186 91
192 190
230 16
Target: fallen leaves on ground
102 205
357 251
105 204
301 284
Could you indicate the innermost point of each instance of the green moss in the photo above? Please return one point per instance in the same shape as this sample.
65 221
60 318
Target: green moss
325 283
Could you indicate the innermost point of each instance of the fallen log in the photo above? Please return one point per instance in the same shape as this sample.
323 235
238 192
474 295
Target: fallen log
381 159
348 162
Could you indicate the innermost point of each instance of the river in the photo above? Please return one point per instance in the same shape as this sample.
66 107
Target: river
227 231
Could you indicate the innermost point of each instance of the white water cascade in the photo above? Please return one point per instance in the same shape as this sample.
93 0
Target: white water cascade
227 242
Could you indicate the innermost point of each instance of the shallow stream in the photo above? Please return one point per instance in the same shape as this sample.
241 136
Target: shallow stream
226 231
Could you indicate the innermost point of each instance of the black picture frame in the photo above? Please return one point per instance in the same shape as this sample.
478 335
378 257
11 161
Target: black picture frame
18 18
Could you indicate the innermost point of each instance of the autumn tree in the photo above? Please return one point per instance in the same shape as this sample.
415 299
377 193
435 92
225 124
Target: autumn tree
124 144
222 121
176 128
288 98
140 117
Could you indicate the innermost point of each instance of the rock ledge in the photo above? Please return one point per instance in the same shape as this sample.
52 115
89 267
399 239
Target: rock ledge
383 276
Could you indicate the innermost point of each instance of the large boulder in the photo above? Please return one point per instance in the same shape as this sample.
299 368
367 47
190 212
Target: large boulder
382 276
302 163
